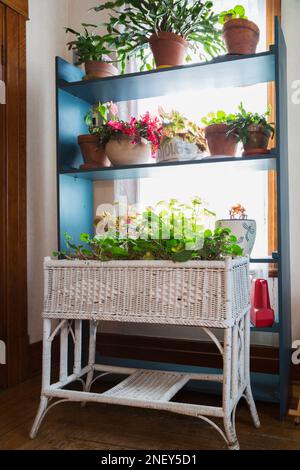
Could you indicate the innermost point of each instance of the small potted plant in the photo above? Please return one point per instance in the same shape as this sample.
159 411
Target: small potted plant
219 131
240 35
242 228
169 27
91 145
182 139
253 130
92 51
131 142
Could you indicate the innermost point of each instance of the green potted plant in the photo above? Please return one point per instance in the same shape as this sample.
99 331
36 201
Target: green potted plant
169 27
219 131
182 139
91 145
240 35
92 51
253 130
169 231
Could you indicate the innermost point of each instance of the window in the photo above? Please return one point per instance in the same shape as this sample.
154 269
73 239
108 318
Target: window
255 190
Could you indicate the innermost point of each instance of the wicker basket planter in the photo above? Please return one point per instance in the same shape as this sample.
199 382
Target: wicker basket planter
201 294
193 293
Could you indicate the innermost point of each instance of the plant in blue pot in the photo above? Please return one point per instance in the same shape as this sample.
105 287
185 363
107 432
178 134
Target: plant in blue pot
242 227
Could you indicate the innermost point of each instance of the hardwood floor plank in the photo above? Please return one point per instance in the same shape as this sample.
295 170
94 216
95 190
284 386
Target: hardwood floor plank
103 427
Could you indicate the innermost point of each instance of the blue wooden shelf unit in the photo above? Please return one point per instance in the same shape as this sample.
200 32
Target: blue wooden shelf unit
75 187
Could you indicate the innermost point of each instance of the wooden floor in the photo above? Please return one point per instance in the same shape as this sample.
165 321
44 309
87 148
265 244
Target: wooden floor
102 427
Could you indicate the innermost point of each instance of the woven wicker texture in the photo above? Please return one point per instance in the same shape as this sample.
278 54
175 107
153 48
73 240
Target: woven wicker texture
149 386
195 293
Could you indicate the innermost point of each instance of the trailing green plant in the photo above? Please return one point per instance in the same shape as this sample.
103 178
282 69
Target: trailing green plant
219 117
133 22
176 125
88 45
98 117
237 12
243 119
169 231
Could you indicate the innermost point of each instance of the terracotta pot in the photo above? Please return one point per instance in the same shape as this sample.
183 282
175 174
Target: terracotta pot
168 49
93 152
97 69
257 140
219 143
123 152
241 36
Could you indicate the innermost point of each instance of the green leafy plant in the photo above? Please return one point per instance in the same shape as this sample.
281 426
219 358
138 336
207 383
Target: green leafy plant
88 45
169 231
237 12
243 119
98 116
133 22
220 117
176 125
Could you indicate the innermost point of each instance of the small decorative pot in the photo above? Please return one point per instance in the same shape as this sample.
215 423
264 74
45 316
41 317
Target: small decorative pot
257 140
243 229
219 143
241 36
178 149
123 151
97 69
168 49
93 152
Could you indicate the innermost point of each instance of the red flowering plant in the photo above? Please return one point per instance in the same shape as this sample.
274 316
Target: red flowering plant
145 129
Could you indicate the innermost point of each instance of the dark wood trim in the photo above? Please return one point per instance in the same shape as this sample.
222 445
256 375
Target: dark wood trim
13 244
20 6
35 356
264 359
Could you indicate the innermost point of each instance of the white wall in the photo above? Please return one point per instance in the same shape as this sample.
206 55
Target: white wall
46 39
291 19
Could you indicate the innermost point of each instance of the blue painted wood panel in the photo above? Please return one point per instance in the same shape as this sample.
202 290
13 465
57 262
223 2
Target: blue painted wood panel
76 208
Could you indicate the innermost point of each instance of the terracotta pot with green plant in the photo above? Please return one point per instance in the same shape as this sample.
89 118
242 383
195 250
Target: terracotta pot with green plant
169 27
221 142
240 35
92 51
91 145
253 130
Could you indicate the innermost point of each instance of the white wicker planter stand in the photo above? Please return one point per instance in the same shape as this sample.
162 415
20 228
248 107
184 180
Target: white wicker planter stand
200 294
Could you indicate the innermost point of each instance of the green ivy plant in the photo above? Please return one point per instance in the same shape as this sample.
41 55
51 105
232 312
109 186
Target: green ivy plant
132 22
243 119
184 224
237 12
219 117
88 45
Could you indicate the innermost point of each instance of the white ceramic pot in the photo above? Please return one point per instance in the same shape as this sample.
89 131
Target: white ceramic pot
123 152
177 149
243 229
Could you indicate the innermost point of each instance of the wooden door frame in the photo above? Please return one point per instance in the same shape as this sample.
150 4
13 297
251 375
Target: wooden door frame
13 200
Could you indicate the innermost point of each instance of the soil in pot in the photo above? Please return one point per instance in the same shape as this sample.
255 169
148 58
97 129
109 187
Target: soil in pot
123 152
241 36
97 69
257 140
219 143
93 152
168 49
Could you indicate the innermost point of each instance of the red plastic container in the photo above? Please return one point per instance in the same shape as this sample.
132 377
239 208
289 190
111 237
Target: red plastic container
262 315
